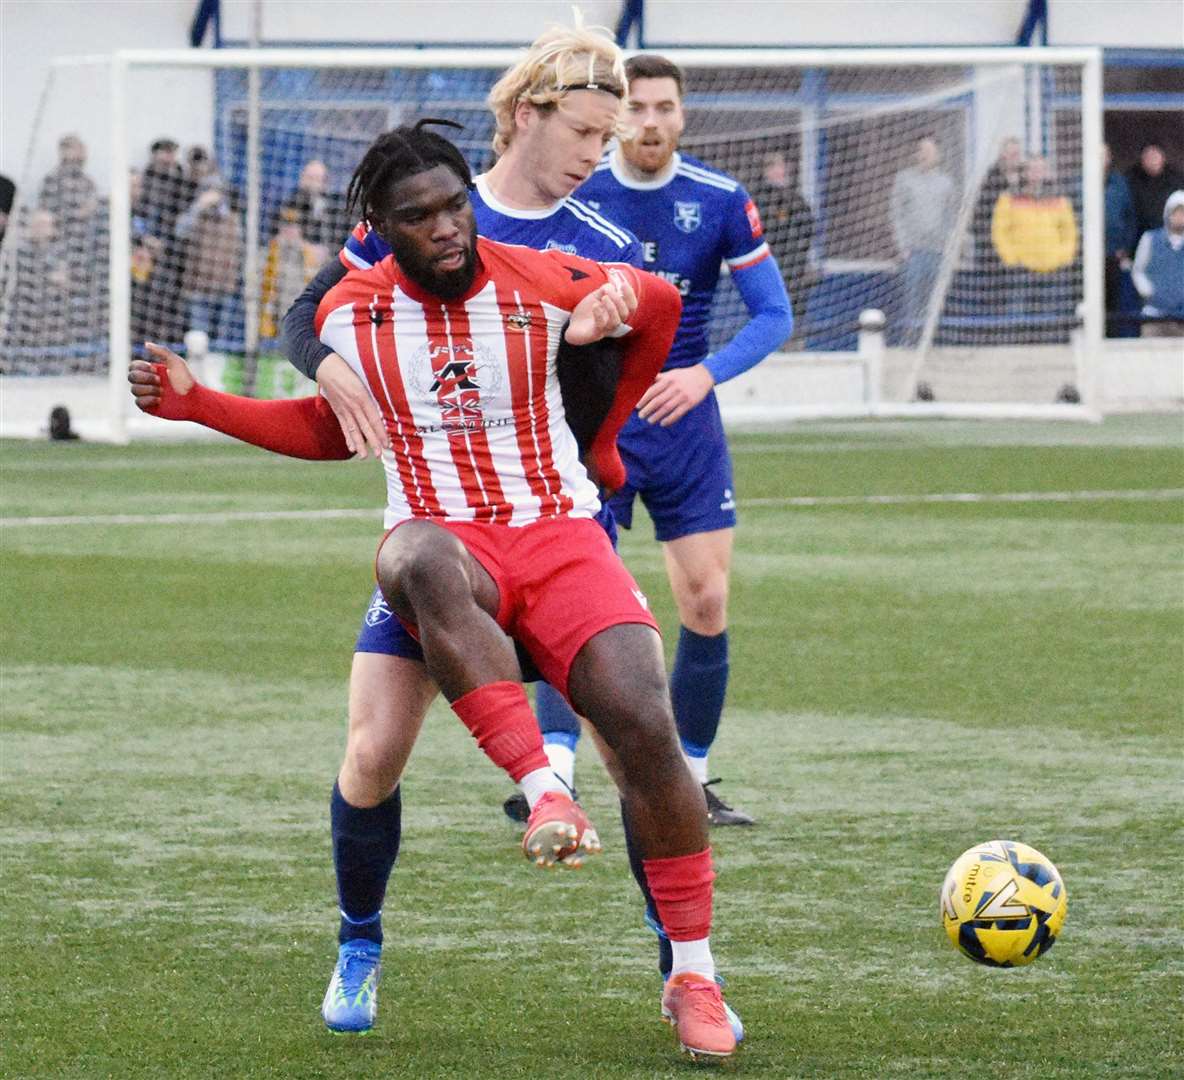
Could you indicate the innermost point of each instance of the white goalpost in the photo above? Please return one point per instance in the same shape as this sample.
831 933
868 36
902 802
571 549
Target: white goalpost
929 277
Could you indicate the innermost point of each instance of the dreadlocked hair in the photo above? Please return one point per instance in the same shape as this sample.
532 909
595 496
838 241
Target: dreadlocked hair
403 152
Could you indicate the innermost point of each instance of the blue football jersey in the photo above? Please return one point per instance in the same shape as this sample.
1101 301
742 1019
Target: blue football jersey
689 223
570 225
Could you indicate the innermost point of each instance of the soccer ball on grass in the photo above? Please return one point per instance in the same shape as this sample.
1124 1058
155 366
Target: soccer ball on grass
1003 903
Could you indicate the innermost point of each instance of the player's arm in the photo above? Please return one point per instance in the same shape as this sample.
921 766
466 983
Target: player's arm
645 347
296 427
677 391
347 396
588 374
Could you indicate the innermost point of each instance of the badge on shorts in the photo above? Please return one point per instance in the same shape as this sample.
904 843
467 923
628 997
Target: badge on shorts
688 216
378 612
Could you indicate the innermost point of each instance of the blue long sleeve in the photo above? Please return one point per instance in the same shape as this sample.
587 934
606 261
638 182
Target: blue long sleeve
764 295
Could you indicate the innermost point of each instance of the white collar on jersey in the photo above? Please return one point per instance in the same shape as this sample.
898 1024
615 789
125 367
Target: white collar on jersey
660 180
494 203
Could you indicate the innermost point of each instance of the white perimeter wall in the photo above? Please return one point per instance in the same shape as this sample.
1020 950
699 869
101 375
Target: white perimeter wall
33 32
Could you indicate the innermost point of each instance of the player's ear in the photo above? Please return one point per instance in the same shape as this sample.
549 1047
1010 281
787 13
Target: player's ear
524 112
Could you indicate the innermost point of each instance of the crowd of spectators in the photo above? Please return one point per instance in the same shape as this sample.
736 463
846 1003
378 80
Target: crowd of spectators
187 236
57 292
1144 233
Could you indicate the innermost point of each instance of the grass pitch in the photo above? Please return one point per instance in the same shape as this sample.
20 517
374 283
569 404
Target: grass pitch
912 673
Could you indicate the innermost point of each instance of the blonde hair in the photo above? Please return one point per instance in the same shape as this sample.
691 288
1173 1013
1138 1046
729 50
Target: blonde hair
559 60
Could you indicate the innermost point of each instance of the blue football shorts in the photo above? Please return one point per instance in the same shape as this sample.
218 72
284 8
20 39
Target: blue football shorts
682 473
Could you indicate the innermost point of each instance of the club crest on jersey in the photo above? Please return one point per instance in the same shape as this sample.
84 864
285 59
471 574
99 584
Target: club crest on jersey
460 377
519 320
688 216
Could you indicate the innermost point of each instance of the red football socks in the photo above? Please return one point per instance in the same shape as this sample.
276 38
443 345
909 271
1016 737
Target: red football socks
681 888
500 719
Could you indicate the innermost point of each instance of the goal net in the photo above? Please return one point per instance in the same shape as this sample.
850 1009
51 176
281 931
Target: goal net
946 201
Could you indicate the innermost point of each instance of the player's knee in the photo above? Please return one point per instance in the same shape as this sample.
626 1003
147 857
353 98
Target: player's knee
645 738
414 561
376 755
704 605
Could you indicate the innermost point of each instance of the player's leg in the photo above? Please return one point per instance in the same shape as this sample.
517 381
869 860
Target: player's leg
698 567
389 694
618 681
589 630
637 868
557 720
691 502
560 728
432 580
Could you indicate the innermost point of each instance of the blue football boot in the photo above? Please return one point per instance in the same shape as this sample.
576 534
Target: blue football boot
351 1001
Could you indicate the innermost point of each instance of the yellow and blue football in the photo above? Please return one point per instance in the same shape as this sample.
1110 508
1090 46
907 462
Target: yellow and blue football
1003 903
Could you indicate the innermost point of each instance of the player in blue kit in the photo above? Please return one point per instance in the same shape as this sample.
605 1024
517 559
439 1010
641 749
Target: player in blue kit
690 218
555 112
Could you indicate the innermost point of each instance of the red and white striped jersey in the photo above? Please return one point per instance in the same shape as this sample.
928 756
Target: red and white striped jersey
467 387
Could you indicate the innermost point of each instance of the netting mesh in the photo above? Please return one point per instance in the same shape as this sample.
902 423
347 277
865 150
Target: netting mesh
949 198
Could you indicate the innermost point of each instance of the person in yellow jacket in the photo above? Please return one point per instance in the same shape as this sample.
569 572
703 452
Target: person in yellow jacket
1034 228
1034 231
290 265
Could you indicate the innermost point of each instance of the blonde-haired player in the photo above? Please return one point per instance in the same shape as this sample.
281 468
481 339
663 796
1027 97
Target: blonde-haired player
556 111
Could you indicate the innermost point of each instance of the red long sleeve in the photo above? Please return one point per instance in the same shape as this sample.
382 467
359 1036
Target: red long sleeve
296 427
654 324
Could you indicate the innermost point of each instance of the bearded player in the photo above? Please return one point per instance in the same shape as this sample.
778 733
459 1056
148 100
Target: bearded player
490 511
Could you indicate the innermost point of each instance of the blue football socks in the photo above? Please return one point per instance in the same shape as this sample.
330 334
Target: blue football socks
698 685
365 846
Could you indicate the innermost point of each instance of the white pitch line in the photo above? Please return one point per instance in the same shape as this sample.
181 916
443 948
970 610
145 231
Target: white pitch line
1138 495
230 517
213 517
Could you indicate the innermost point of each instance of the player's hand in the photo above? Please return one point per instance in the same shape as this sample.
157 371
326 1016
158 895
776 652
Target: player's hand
674 393
360 421
148 387
602 311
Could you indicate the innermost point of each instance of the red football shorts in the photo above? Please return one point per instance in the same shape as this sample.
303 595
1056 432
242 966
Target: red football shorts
559 583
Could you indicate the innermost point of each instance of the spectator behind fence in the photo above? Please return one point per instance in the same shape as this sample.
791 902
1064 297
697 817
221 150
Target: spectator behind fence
35 330
1158 272
67 192
922 219
789 226
1120 234
1152 180
7 195
324 217
1006 174
1035 236
1034 229
162 197
212 258
291 263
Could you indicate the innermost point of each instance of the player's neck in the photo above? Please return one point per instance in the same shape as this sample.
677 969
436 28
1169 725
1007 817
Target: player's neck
632 176
514 187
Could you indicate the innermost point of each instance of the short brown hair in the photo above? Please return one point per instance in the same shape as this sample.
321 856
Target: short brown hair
653 66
